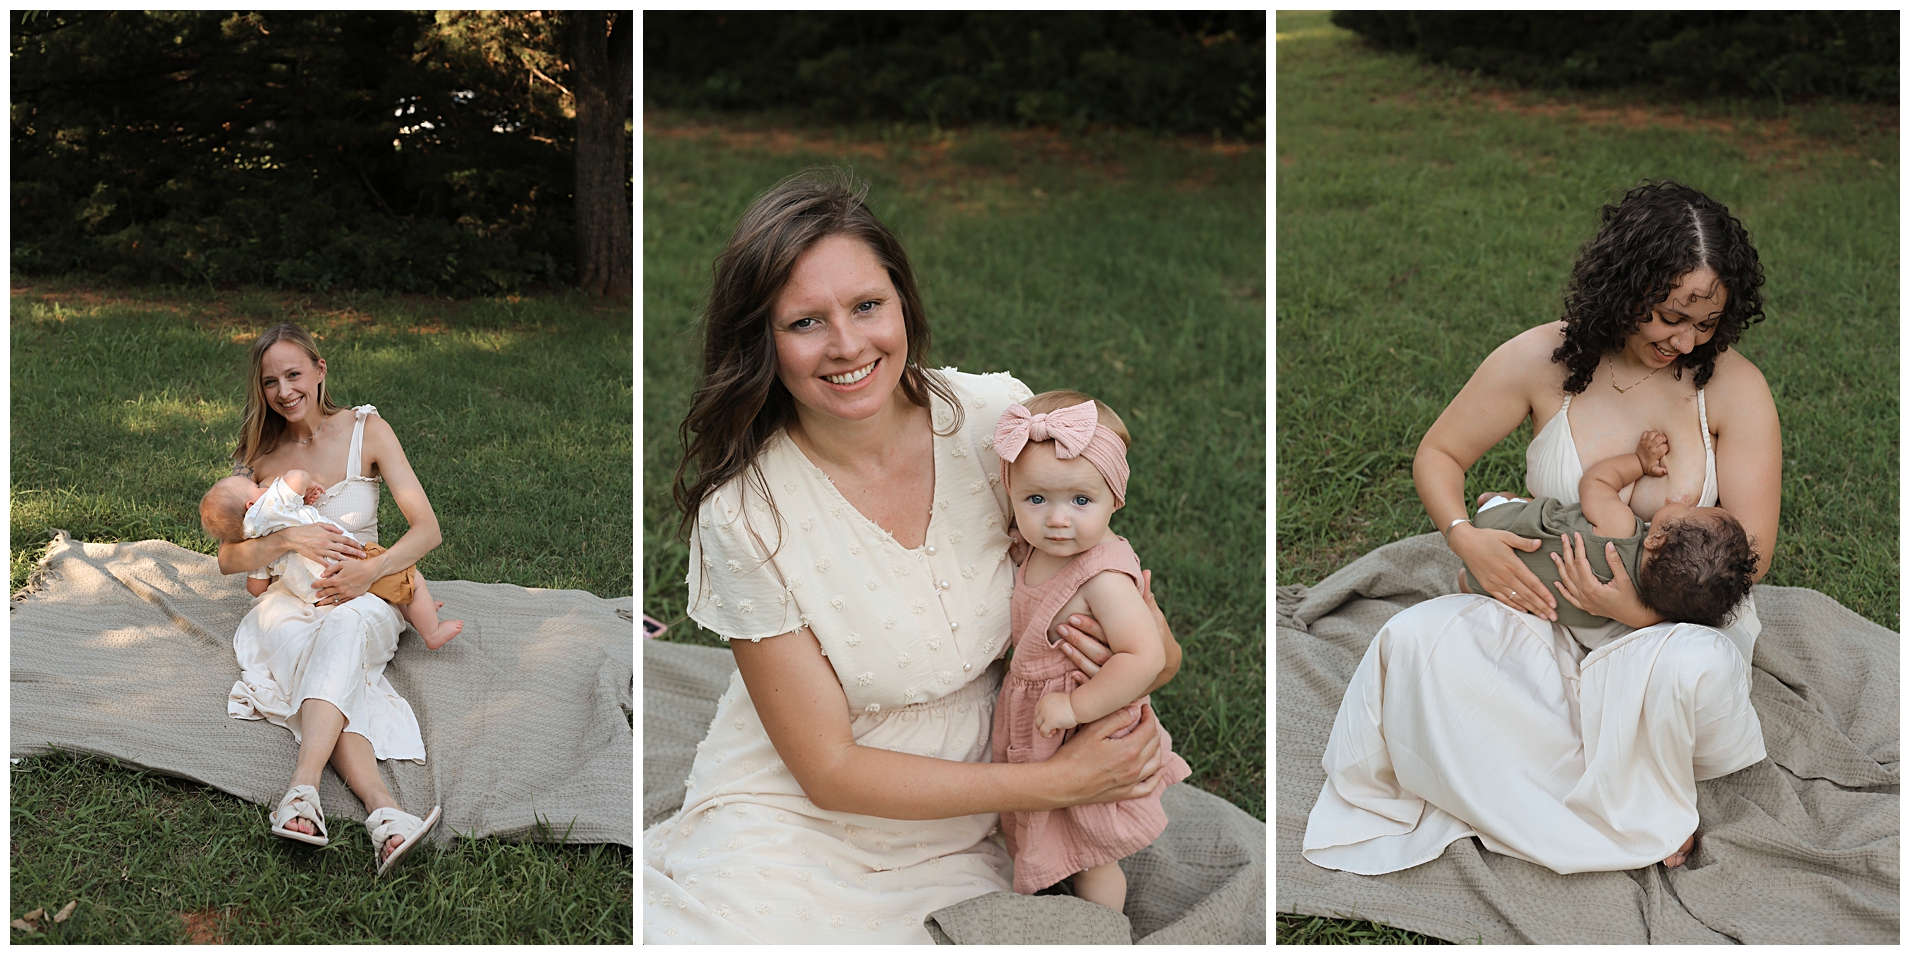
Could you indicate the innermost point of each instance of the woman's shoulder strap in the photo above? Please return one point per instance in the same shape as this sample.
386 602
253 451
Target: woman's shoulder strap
354 462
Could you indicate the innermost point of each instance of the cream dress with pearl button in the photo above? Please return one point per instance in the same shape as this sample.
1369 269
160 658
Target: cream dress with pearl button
911 635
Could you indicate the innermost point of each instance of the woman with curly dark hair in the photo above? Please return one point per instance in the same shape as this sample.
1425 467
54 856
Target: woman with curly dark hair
1577 748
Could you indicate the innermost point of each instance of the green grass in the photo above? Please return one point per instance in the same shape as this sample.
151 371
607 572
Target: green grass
1129 267
1420 226
125 407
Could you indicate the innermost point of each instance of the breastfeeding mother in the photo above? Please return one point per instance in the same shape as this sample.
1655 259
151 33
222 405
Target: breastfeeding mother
1575 748
849 538
319 671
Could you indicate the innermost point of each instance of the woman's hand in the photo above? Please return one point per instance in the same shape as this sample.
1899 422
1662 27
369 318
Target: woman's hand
322 542
1488 554
345 580
1098 769
1085 644
1617 600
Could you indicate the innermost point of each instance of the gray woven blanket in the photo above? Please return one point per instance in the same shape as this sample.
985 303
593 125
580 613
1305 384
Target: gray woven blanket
125 650
1801 847
1204 881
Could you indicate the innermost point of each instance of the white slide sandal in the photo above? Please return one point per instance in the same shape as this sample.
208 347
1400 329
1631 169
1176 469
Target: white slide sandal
388 822
300 802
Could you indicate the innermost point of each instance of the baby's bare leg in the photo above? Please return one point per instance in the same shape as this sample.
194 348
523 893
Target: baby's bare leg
422 611
1104 884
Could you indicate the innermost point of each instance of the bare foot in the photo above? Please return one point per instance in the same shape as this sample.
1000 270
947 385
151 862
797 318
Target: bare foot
1678 858
304 825
441 636
391 845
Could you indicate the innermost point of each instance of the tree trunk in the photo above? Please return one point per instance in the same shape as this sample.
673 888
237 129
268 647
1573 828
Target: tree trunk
600 61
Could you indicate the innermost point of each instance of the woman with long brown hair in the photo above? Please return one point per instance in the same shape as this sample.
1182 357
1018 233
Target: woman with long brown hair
318 669
850 539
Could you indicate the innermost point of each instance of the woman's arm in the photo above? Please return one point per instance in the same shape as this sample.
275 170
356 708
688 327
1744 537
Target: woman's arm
1749 449
806 714
349 579
1493 403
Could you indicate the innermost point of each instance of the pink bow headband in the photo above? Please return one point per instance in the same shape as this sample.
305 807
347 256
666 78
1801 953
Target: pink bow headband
1076 430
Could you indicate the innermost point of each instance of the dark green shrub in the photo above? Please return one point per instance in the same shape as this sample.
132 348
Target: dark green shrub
1199 73
1767 53
364 149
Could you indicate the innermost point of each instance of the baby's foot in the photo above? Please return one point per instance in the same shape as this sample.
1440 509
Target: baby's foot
1678 858
443 634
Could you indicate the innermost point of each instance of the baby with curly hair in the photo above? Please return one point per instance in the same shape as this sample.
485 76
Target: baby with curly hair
1690 564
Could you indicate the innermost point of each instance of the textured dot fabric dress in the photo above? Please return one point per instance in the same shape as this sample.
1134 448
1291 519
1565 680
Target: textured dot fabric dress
1051 845
290 650
911 634
1579 749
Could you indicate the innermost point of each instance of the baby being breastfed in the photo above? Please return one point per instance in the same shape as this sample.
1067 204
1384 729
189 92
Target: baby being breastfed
1690 564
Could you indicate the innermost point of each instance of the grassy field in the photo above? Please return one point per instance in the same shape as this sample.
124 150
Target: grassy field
125 407
1126 266
1424 216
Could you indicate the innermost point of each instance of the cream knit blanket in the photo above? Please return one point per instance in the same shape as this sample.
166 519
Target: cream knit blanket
125 650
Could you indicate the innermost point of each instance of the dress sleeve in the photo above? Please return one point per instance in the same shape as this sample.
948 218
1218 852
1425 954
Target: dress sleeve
987 397
736 590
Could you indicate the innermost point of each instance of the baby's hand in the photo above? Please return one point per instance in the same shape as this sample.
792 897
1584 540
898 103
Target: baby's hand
1651 452
313 493
1054 712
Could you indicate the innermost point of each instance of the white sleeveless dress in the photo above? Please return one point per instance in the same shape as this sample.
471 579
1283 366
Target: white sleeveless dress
1579 751
291 651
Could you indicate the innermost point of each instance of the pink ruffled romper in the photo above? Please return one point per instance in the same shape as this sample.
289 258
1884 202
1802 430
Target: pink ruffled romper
1051 845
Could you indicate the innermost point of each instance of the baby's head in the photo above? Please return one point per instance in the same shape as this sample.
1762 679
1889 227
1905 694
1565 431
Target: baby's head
222 510
1064 465
1697 564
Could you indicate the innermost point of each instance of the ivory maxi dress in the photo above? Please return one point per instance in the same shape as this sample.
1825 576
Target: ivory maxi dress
911 634
1578 749
291 651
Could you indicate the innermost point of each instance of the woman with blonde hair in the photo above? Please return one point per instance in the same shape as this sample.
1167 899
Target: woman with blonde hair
318 669
849 537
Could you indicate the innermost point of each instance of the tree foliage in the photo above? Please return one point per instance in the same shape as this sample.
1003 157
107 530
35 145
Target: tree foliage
1764 53
1179 72
405 151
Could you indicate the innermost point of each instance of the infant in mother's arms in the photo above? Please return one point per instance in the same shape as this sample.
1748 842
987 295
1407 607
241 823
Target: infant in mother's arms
237 509
1690 564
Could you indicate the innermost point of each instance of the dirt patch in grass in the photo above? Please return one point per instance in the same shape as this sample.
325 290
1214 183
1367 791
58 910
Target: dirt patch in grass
1786 142
941 158
205 926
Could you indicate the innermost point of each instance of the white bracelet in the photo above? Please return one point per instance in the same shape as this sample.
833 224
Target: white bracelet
1456 522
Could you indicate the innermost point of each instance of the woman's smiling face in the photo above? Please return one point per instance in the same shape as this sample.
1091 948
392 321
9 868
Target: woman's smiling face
837 324
1687 318
290 380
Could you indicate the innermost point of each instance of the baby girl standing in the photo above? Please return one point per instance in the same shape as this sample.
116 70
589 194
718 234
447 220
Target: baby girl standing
1064 463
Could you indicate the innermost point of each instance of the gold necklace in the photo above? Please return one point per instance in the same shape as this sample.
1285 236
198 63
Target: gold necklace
1633 384
321 430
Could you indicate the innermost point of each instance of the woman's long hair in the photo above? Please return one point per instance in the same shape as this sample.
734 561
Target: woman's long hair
741 402
262 426
1646 244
